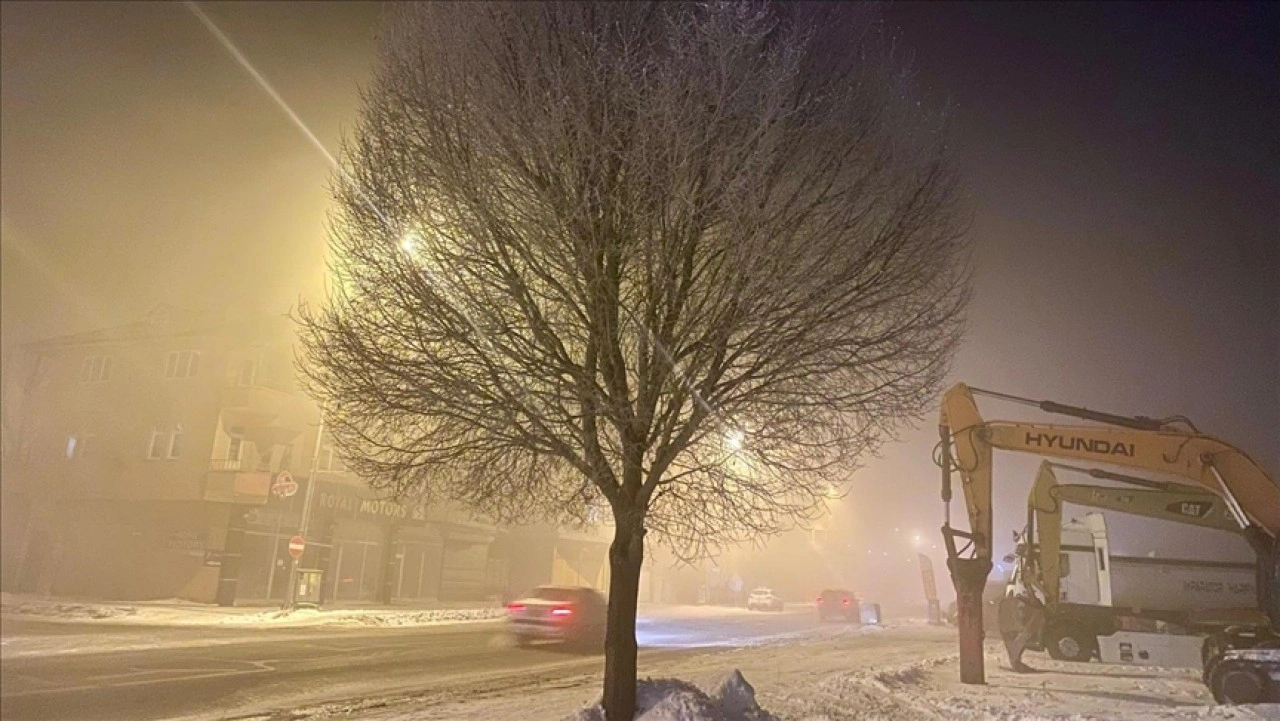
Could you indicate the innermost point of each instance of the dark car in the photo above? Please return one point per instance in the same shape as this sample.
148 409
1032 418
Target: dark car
565 614
838 604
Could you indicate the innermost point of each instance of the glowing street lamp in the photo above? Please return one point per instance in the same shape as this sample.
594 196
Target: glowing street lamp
409 242
733 440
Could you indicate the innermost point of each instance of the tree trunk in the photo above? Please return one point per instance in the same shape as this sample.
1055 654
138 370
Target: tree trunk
626 554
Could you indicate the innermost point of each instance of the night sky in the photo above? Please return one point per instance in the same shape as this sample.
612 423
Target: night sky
1122 161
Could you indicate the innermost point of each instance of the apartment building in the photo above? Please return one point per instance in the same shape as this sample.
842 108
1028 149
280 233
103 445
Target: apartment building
171 458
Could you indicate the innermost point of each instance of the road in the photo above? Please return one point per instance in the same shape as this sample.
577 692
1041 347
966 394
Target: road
211 673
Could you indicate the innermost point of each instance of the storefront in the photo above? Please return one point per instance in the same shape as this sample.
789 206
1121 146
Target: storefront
129 550
369 549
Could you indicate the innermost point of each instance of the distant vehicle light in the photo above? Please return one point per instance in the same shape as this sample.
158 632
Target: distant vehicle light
515 607
562 611
844 602
819 600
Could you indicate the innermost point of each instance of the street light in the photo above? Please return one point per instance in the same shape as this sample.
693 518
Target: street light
306 508
733 440
410 241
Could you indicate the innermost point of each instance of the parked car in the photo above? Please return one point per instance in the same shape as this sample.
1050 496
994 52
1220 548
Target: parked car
838 604
764 599
569 615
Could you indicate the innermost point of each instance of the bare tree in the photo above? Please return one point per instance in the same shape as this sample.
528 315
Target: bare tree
691 259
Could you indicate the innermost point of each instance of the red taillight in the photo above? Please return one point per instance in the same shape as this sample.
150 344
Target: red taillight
819 600
844 602
515 607
561 611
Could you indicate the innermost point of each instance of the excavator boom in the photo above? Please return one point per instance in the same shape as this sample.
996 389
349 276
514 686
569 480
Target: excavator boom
1145 444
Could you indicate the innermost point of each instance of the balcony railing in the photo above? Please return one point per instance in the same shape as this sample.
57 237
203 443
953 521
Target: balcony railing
226 464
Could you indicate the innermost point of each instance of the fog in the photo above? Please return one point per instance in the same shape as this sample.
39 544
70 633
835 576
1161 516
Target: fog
1126 255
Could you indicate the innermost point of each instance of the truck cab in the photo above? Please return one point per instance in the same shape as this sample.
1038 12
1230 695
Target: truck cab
1102 595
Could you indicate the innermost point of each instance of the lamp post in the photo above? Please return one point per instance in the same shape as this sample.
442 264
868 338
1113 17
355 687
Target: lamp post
306 509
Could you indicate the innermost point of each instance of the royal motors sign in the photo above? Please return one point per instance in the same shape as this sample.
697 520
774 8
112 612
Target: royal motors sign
353 502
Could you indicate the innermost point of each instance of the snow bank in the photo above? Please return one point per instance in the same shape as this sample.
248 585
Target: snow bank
10 603
670 699
376 618
185 613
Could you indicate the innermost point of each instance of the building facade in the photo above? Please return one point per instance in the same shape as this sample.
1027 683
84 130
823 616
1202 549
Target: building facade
171 458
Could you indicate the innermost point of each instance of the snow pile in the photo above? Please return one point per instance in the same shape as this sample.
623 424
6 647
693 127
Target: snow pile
670 699
908 676
374 618
10 604
174 612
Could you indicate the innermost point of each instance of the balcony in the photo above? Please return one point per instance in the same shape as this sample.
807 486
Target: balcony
255 404
229 481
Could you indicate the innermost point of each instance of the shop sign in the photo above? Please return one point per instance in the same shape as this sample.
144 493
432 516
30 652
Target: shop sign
347 502
284 485
184 541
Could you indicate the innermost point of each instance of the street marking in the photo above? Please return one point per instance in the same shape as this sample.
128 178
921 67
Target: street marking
256 669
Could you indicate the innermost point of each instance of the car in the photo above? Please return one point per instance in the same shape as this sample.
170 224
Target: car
838 604
570 615
764 599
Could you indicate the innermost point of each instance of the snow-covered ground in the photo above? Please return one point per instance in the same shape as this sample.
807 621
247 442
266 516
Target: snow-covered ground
904 673
800 671
175 612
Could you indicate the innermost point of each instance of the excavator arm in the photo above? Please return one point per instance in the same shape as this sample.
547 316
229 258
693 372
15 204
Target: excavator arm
967 442
1175 502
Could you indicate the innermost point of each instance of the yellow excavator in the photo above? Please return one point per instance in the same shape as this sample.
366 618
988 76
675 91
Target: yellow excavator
1241 665
1201 597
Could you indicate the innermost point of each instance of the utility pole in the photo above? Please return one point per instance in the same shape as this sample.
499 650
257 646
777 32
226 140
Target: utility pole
306 509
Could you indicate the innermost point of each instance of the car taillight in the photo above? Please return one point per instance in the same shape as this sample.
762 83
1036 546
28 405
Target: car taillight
844 602
515 607
561 611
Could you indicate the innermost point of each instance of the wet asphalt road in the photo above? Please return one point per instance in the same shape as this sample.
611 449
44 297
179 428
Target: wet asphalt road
237 673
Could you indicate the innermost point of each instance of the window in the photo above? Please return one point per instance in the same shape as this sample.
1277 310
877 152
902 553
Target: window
95 369
236 447
165 443
175 442
329 459
246 372
181 364
79 445
155 448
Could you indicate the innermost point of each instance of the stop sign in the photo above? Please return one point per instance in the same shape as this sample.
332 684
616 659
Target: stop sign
297 545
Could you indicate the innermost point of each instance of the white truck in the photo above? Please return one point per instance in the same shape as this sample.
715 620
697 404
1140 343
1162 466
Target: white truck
1140 610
